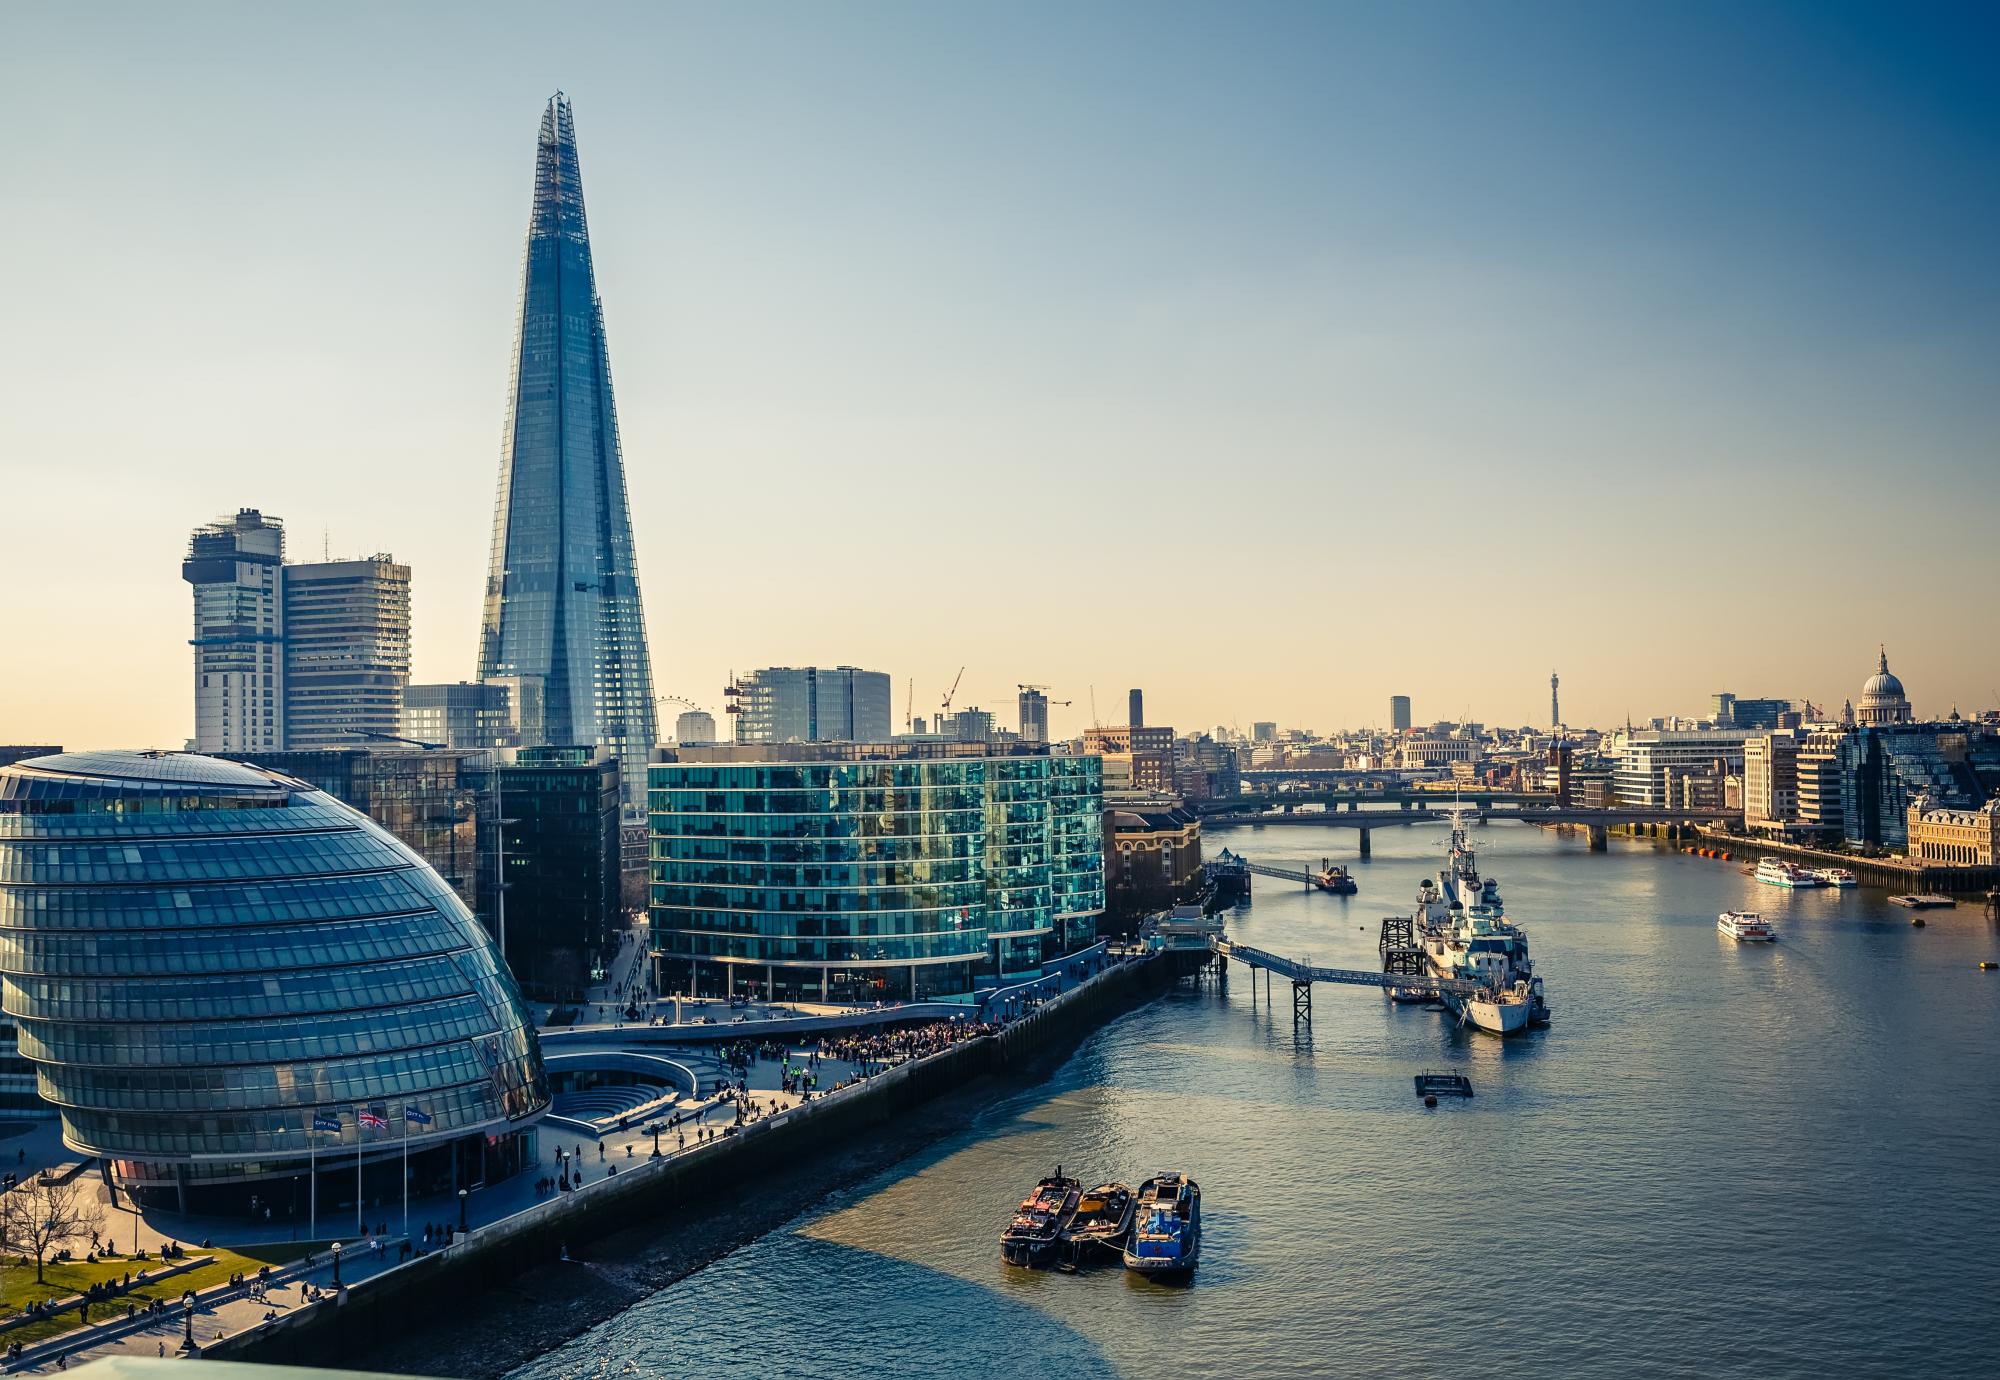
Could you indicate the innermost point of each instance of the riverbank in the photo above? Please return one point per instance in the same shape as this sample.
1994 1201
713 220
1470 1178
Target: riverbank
506 1293
1898 874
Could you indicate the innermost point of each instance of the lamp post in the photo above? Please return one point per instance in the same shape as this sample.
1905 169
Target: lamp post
187 1335
656 1140
461 1209
336 1264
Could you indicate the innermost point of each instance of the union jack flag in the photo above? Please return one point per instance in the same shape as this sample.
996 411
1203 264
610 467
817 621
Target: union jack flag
375 1118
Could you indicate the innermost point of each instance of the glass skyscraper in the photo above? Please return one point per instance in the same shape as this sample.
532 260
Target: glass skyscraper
562 593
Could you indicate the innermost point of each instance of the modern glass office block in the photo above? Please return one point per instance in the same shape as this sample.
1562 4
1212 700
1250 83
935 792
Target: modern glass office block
205 957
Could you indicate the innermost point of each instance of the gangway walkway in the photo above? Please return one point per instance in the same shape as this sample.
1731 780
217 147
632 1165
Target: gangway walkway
1283 874
1304 975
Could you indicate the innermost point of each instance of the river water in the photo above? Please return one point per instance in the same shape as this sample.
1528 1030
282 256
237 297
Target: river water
1772 1160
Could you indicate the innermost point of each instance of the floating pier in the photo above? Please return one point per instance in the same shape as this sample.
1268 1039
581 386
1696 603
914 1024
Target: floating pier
1449 1084
1927 901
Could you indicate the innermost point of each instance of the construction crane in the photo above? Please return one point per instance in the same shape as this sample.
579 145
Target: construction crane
1043 691
945 709
1095 722
910 706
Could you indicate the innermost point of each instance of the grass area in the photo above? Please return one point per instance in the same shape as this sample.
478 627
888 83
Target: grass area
18 1287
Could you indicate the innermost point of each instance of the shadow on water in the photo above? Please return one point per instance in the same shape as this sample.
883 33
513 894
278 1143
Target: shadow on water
866 1314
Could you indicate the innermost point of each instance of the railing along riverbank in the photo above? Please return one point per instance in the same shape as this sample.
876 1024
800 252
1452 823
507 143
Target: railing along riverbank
378 1310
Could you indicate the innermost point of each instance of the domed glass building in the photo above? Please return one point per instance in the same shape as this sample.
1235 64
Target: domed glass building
206 961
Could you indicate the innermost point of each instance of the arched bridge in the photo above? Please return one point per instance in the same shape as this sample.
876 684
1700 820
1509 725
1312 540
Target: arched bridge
1596 820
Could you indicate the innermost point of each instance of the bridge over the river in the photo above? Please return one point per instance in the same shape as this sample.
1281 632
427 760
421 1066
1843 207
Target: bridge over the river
1595 820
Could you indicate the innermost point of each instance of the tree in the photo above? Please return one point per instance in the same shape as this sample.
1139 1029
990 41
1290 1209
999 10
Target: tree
40 1218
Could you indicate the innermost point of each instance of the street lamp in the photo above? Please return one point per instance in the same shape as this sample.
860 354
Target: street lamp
187 1336
461 1209
656 1140
336 1264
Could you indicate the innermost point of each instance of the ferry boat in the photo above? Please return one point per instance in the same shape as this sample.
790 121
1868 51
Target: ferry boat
1034 1235
1102 1222
1166 1231
1744 925
1778 872
1466 935
1836 876
1334 879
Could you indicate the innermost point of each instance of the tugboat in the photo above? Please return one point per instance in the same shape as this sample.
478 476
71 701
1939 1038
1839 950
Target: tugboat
1102 1222
1166 1234
1334 879
1032 1238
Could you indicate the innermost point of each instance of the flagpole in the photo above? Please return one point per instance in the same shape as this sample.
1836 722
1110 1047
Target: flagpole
312 1169
358 1128
406 1171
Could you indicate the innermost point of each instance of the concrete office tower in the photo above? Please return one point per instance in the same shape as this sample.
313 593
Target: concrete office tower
1034 716
347 651
1136 714
695 727
1399 713
236 566
1264 731
562 593
810 704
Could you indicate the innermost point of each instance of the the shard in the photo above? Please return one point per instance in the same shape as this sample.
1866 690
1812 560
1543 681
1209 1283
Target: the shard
562 593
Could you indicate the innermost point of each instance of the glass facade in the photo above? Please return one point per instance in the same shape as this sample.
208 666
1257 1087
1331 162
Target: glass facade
201 955
853 878
562 592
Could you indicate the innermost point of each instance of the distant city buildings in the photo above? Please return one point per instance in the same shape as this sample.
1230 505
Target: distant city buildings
1399 713
1729 711
1034 715
866 871
1958 837
969 725
1688 768
462 714
293 656
347 650
695 727
1136 707
562 594
1135 758
1263 731
235 566
811 704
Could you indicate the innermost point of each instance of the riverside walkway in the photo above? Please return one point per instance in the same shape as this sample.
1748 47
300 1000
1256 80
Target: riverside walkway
598 1161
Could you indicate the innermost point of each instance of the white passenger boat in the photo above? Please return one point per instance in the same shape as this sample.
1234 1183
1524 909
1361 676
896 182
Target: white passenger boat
1778 872
1746 926
1836 876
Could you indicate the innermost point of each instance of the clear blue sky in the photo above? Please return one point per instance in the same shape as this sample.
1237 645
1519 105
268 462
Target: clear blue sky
1275 357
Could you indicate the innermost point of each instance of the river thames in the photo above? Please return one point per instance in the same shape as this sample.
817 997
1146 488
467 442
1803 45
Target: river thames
1772 1160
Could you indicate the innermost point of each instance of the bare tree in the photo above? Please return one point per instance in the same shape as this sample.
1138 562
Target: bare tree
40 1218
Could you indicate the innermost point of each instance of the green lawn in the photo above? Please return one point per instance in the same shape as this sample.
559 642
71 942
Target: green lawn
18 1287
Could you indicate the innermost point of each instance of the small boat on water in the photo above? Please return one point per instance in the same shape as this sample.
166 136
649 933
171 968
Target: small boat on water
1166 1230
1746 926
1778 872
1432 1084
1034 1236
1836 876
1923 902
1334 879
1102 1221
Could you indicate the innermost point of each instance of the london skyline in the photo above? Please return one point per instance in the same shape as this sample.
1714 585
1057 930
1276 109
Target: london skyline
908 360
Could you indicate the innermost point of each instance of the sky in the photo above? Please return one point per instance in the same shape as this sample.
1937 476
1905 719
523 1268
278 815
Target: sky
1274 357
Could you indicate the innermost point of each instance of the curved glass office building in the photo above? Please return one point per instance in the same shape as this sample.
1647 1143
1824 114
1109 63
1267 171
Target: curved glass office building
225 978
859 871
